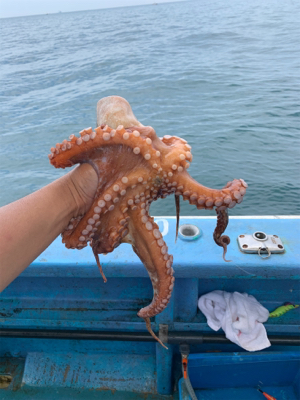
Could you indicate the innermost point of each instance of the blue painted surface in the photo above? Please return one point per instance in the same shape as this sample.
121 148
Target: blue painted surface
63 289
200 258
276 372
91 372
278 392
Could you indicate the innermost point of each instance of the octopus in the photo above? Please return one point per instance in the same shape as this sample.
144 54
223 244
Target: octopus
136 167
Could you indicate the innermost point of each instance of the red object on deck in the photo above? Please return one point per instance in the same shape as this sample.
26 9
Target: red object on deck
267 396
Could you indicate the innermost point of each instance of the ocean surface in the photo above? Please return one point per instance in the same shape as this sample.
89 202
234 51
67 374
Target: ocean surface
224 75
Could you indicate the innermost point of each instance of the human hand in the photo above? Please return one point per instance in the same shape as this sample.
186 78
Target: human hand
82 183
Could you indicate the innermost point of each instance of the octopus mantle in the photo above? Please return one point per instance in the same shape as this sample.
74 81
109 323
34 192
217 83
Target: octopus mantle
135 167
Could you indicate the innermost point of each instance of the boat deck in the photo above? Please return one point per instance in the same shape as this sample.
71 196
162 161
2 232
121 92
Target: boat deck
55 315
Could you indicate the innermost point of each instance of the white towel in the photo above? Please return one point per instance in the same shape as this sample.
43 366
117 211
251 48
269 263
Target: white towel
240 316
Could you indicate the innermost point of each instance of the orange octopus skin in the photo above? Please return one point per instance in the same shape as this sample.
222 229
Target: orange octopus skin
136 167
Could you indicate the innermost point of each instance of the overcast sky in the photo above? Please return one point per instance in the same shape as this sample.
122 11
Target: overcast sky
17 8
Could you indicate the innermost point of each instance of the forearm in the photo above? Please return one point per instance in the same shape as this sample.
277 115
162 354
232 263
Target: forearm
30 224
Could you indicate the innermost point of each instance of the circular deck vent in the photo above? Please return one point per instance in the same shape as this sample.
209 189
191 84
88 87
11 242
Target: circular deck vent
189 232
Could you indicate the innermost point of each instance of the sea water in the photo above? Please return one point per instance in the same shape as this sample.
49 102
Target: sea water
224 75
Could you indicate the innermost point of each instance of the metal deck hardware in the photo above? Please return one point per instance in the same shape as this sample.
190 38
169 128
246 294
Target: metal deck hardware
260 243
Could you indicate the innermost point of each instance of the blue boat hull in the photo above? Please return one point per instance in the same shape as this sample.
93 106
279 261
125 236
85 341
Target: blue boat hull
63 291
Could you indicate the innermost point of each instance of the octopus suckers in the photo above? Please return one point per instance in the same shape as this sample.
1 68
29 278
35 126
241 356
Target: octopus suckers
209 202
245 184
232 204
236 194
163 250
156 233
149 226
144 219
160 242
227 200
218 202
107 224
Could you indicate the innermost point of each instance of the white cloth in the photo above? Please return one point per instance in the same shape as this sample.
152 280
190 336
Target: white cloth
240 316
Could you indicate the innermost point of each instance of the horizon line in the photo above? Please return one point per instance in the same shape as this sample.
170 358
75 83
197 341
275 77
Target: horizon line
96 9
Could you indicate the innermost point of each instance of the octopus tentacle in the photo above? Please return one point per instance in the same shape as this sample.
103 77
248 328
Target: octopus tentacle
94 248
135 167
148 244
204 197
177 204
148 326
222 222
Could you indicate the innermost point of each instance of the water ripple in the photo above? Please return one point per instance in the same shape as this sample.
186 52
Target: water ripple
223 75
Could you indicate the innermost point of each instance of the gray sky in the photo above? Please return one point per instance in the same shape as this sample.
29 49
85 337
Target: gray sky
17 8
